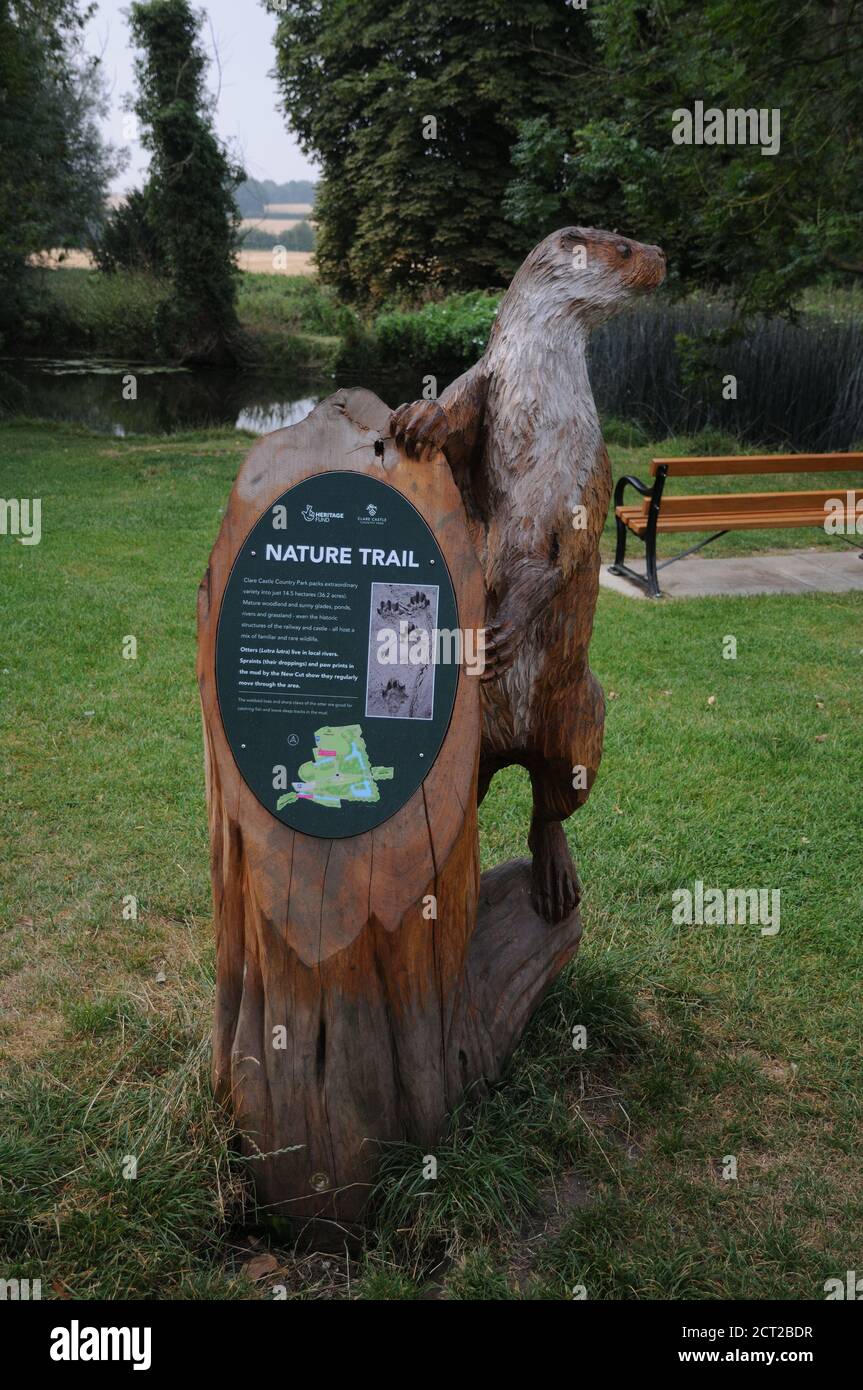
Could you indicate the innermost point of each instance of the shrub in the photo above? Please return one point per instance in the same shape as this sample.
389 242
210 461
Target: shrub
443 337
87 311
128 239
293 303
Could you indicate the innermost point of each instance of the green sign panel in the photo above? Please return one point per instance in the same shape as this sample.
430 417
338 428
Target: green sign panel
335 654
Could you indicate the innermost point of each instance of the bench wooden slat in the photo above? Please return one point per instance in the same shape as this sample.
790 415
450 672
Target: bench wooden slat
741 523
682 513
757 463
745 502
635 519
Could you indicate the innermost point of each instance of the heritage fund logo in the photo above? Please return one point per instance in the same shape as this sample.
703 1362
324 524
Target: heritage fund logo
77 1343
734 126
280 516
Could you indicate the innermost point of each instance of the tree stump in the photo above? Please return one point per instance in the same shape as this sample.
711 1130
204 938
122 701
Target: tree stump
348 1015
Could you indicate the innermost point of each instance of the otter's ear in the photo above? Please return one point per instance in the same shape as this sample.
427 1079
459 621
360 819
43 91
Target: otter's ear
572 238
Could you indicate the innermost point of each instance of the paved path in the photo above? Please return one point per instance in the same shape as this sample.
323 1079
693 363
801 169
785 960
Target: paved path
789 572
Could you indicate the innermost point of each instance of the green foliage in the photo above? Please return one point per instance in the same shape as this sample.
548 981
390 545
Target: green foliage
129 239
446 336
65 1146
292 323
799 384
485 1178
360 79
764 226
54 168
547 115
191 184
81 311
292 303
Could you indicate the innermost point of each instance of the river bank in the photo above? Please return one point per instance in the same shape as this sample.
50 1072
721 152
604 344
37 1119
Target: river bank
666 367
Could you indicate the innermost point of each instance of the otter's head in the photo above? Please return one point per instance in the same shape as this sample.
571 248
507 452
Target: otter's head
588 274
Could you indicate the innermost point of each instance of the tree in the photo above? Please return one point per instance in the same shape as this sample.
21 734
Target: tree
129 238
54 167
190 192
412 108
549 113
760 226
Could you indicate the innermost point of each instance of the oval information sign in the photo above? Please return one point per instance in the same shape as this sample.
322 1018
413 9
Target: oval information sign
335 667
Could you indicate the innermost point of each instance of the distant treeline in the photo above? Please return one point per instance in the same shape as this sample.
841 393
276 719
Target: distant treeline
298 238
254 195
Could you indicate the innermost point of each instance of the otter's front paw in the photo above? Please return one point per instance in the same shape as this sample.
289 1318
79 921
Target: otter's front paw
555 890
419 425
501 644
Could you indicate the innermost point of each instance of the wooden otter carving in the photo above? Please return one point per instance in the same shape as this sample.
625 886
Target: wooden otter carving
522 436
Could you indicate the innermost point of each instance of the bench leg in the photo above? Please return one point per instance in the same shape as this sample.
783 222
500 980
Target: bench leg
652 585
620 547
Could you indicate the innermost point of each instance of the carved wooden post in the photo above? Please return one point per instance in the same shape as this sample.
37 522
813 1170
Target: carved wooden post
365 979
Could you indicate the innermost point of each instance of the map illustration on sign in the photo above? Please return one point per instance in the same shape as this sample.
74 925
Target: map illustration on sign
340 770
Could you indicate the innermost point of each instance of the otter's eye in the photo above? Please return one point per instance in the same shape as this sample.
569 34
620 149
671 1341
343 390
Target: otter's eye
625 251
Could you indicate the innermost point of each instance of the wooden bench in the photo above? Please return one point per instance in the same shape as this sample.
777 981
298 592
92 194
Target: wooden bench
728 511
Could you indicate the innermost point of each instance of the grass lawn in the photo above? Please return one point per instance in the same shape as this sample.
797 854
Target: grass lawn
600 1167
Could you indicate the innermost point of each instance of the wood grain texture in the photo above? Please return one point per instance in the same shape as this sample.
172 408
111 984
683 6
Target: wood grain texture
522 434
732 511
390 1016
722 464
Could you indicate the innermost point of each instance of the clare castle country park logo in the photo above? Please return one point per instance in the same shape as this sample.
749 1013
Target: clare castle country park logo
372 516
340 771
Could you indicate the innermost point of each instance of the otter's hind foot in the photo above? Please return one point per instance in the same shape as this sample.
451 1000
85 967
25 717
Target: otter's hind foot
555 889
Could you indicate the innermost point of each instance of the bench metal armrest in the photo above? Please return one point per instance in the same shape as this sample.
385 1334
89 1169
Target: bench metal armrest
649 580
630 481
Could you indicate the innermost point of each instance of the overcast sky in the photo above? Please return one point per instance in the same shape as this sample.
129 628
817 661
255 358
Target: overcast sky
246 116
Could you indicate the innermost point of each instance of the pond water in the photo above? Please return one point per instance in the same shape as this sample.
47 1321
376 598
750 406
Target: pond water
171 399
795 386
